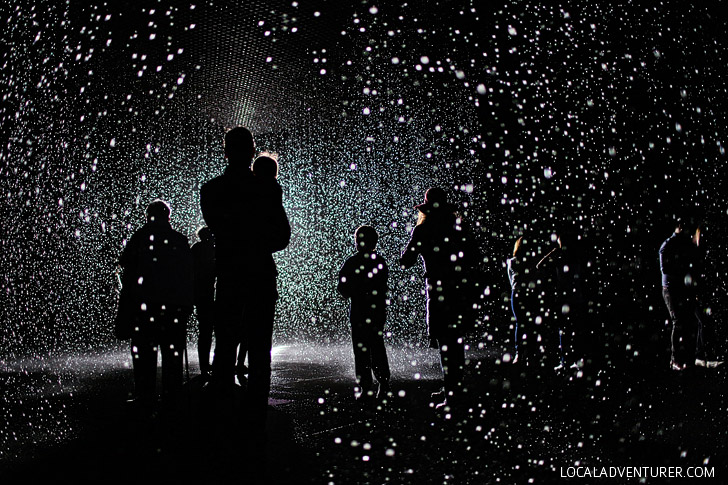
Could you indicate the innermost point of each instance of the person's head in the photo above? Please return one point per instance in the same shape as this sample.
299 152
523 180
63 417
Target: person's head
435 201
204 233
239 145
435 198
366 238
699 232
265 166
685 225
158 211
517 247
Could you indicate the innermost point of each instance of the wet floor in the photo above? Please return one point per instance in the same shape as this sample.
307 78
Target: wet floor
66 415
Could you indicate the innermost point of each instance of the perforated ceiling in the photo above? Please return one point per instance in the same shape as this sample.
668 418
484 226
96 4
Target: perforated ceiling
254 63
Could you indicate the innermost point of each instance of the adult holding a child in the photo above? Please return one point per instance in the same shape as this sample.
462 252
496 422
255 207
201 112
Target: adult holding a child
249 223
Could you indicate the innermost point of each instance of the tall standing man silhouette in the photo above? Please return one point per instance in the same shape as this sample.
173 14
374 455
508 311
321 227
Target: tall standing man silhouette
248 228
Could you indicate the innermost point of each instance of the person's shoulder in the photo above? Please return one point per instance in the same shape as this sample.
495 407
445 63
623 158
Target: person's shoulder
214 180
419 229
211 187
379 258
135 240
141 233
667 241
349 263
179 238
353 258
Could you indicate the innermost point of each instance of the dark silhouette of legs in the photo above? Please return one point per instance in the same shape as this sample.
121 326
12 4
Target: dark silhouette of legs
362 356
259 335
380 363
686 329
370 355
163 330
144 359
205 317
452 361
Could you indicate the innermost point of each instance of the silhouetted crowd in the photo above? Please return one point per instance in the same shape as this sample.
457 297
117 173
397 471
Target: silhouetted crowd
230 277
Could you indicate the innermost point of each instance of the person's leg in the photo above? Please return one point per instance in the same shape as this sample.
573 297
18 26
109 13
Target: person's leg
439 314
144 359
452 348
452 360
205 317
519 334
515 321
675 307
258 318
692 331
241 369
172 345
378 352
703 342
564 338
229 307
362 355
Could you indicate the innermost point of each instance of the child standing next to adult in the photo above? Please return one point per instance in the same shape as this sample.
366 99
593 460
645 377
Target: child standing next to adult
363 278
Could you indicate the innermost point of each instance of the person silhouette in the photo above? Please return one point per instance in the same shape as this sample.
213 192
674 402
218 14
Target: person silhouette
363 279
204 257
248 229
449 258
158 272
565 267
706 352
265 169
680 275
520 272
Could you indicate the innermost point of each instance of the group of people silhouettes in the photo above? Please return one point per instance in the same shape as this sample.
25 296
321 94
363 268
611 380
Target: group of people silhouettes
450 258
553 288
548 287
230 276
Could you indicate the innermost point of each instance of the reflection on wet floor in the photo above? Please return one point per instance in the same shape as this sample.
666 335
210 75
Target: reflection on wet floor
68 411
44 396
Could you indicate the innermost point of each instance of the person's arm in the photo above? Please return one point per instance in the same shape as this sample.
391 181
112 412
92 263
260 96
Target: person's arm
344 281
189 266
210 213
129 260
543 260
410 253
665 259
512 272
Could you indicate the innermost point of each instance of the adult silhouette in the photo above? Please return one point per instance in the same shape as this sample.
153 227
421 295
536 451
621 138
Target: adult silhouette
449 258
248 229
521 271
158 278
680 275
